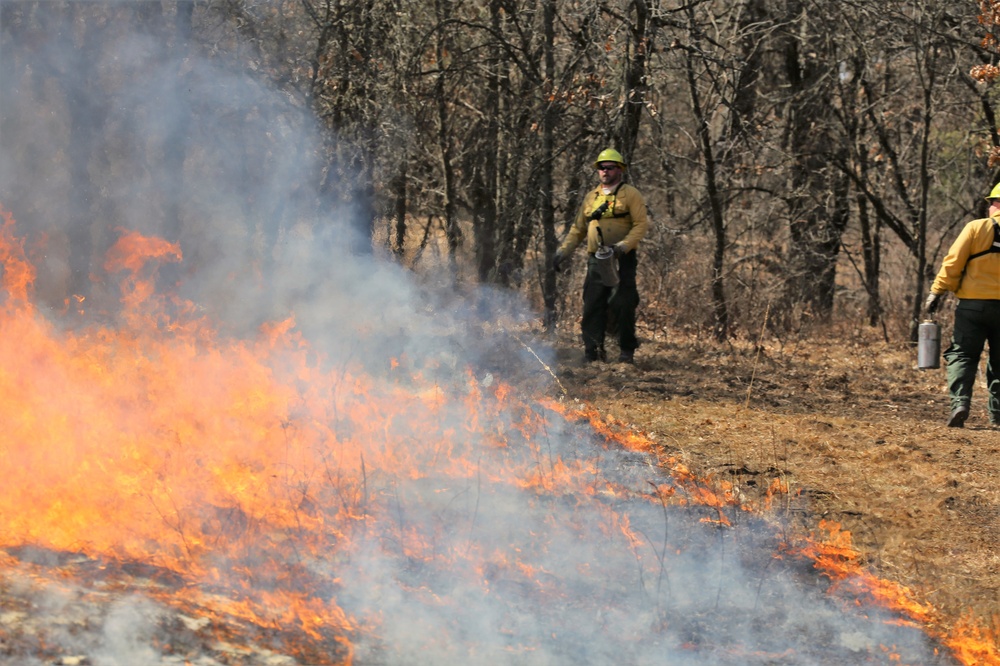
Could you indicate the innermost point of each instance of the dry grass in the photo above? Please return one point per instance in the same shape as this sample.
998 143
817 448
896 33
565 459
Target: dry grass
853 428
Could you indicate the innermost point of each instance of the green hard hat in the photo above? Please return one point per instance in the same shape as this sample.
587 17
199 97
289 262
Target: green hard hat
994 193
612 155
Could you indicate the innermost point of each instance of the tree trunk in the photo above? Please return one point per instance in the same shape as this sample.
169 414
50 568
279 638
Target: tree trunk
720 309
175 141
817 203
484 192
635 78
88 115
453 233
871 252
399 206
545 176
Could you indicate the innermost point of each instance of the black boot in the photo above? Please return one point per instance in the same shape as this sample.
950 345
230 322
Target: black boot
958 416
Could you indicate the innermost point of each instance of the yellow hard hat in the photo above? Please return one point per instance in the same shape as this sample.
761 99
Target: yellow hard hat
994 193
612 155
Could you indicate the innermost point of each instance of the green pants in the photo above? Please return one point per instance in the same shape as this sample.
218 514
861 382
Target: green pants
976 323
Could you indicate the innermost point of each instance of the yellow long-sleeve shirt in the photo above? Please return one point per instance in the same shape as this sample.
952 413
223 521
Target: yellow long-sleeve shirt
623 222
979 278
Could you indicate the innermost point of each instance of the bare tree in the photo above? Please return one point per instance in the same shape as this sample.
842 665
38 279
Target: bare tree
800 123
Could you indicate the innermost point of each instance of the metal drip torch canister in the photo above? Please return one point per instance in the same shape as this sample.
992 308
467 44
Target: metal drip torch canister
928 345
606 269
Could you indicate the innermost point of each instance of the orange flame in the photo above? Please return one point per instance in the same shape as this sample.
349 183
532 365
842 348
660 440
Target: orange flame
18 273
242 465
234 463
833 554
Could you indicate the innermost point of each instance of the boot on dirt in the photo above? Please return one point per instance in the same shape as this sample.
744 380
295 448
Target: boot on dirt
958 416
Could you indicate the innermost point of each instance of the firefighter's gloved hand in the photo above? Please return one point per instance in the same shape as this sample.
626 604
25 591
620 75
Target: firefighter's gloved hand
557 261
619 249
599 211
932 303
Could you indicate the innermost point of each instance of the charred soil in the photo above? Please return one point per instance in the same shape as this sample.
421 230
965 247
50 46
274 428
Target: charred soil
852 427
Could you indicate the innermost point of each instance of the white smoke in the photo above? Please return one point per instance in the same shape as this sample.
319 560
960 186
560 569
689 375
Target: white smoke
127 634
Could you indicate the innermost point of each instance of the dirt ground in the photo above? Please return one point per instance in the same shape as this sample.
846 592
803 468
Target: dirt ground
850 424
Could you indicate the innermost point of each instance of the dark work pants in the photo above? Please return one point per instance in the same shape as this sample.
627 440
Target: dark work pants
610 309
977 322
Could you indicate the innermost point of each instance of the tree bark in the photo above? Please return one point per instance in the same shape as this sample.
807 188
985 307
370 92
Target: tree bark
546 209
720 309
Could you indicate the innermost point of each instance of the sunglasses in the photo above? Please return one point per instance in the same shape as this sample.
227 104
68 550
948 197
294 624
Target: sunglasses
607 167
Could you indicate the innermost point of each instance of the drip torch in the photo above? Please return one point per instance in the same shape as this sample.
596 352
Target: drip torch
605 254
928 345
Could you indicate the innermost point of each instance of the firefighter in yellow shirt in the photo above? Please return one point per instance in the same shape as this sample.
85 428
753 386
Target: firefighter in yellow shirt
613 214
971 269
